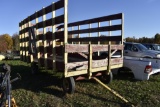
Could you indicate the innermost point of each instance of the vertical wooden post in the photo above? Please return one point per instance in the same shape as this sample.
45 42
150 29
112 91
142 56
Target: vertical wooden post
37 38
90 61
26 45
65 35
99 34
72 34
90 33
20 38
78 33
29 25
44 38
122 32
23 42
53 37
109 52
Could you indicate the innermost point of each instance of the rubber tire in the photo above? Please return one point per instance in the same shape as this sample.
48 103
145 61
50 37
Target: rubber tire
68 85
34 68
107 78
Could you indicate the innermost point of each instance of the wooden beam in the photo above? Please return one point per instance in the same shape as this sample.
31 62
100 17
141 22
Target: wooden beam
70 48
98 29
95 20
53 37
44 38
93 39
65 34
90 62
38 41
95 63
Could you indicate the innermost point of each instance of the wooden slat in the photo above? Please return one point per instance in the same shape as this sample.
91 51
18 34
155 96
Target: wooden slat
69 48
93 39
99 29
97 48
95 63
100 19
58 20
81 72
57 5
117 47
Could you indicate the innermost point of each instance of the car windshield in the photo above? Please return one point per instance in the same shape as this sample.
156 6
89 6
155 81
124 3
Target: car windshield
156 47
141 47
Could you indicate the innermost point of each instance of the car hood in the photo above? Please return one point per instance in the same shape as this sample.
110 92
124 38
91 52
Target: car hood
152 53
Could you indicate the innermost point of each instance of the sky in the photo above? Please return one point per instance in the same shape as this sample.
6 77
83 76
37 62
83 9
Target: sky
141 17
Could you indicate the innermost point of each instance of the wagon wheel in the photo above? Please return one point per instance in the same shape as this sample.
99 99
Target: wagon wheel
68 85
34 68
107 78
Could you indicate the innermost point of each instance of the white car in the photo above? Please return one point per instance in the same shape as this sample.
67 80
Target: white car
2 57
142 68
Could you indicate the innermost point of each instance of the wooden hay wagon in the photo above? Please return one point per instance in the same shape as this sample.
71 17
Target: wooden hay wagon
76 51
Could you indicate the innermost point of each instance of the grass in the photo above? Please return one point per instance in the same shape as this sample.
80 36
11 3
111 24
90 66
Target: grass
44 90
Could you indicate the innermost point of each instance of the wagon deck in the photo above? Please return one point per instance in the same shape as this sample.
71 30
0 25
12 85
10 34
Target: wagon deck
78 48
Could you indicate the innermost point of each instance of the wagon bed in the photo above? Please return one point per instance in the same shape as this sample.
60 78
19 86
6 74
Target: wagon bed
71 48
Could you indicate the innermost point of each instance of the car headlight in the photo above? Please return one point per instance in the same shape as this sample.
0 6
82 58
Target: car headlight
158 55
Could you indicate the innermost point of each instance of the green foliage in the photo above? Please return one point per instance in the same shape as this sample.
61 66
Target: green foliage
140 40
8 40
3 45
157 38
16 41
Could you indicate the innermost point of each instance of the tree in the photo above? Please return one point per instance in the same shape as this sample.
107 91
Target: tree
8 40
16 41
157 38
3 46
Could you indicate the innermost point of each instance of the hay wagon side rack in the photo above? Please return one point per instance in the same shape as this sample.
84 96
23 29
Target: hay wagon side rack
65 48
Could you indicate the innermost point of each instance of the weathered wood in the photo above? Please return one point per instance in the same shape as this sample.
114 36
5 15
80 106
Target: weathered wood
95 63
84 55
72 53
84 71
48 22
97 48
69 48
53 37
59 4
38 41
117 47
90 62
65 34
44 38
20 37
95 20
57 20
99 29
93 39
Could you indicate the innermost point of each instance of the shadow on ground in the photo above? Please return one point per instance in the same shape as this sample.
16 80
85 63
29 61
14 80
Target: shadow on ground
42 82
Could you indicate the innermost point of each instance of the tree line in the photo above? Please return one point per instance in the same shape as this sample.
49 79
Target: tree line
155 39
8 42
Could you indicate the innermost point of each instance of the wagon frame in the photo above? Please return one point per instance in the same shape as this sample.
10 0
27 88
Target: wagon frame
59 49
